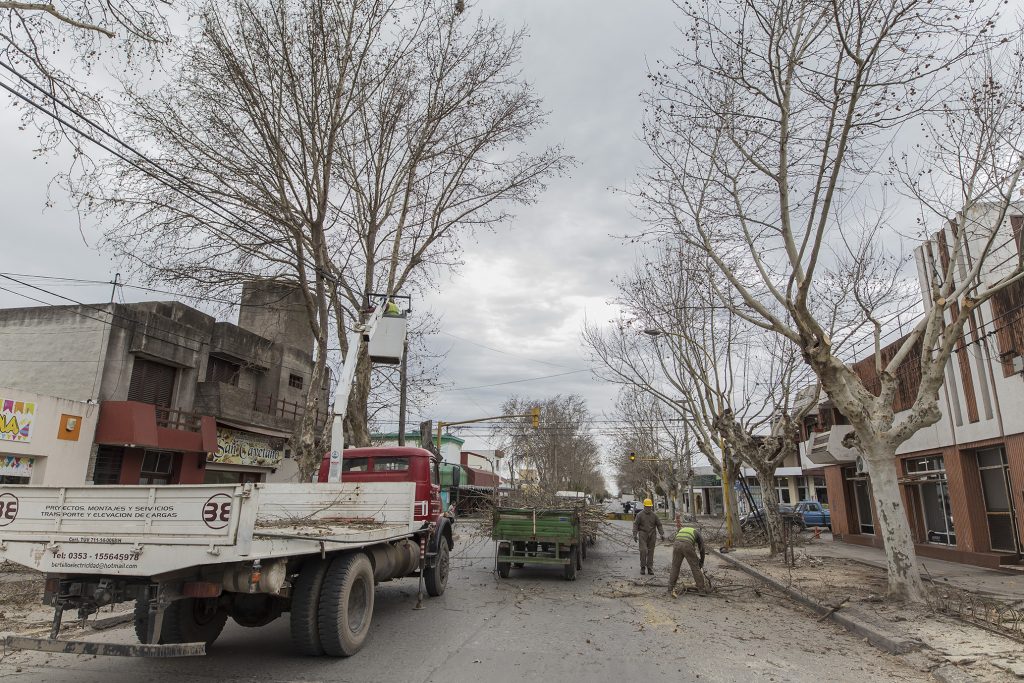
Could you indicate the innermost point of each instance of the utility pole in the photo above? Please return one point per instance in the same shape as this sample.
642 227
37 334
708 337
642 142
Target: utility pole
116 283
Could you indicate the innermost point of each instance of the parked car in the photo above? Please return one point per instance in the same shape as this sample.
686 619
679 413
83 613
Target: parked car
752 519
814 513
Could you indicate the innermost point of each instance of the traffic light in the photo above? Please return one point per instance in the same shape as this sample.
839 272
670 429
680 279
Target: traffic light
632 456
535 417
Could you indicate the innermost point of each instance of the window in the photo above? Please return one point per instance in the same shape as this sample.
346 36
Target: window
221 370
995 488
930 498
108 466
391 464
18 481
355 464
862 493
295 381
151 382
782 485
801 488
156 468
821 490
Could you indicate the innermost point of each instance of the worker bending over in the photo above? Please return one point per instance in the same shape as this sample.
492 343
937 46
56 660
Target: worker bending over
688 543
645 524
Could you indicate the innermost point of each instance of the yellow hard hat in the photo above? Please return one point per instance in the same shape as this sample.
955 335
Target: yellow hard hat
648 503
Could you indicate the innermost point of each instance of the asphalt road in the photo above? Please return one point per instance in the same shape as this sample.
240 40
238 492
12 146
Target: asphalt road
608 625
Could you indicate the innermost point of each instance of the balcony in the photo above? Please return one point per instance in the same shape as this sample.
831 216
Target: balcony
826 448
144 425
232 404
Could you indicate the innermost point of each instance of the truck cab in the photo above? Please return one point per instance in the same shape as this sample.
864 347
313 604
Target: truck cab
396 463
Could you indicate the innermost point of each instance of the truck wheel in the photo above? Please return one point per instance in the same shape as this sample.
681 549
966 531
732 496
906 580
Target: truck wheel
579 557
569 569
305 607
504 567
191 620
346 605
436 577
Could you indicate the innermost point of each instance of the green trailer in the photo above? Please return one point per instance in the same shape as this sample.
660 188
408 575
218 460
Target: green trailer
529 536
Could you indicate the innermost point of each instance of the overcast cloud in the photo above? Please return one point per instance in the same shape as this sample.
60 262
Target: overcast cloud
524 290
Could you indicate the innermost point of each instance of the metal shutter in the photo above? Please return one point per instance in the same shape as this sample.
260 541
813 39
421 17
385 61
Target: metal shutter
152 382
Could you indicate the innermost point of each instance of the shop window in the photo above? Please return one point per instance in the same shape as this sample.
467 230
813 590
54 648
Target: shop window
107 470
995 487
221 370
156 468
821 490
801 487
929 493
392 464
295 381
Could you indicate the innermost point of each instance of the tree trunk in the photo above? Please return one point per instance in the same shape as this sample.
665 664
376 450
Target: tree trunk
356 416
900 555
308 450
770 505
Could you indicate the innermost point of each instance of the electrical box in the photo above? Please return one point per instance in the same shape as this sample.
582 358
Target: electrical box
388 342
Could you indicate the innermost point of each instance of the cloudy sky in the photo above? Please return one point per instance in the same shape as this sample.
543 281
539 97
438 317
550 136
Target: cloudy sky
515 310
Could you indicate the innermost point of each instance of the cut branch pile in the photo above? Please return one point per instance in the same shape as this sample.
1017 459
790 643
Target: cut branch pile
592 516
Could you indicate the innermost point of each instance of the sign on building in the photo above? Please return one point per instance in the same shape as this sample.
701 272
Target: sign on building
16 420
16 466
235 447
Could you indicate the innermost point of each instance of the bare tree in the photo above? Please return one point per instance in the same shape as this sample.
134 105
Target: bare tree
35 38
338 145
434 155
562 451
766 130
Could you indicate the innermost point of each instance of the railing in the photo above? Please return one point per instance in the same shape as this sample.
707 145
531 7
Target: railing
170 418
292 410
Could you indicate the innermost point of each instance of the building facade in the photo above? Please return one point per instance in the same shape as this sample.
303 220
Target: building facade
179 396
44 440
962 479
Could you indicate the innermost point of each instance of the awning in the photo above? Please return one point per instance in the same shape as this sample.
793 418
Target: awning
265 431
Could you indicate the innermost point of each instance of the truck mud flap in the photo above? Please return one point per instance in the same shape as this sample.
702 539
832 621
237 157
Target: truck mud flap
83 647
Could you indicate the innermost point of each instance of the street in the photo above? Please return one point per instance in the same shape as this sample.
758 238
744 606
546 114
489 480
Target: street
609 625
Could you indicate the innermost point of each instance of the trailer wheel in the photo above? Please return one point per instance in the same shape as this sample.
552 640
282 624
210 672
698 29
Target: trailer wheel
305 607
569 569
436 577
191 620
346 605
504 567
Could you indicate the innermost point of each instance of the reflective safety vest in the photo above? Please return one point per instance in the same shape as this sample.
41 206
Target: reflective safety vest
687 533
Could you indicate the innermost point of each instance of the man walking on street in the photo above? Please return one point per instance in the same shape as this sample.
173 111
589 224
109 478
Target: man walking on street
645 524
688 543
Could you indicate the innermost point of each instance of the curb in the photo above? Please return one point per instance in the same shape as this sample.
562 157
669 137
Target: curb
864 630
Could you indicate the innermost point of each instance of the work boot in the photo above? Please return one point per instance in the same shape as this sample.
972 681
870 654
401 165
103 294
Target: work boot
642 571
650 570
672 592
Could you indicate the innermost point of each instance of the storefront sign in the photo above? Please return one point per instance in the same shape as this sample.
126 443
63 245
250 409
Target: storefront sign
16 420
236 447
16 466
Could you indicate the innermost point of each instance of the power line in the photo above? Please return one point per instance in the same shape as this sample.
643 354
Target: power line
509 353
518 381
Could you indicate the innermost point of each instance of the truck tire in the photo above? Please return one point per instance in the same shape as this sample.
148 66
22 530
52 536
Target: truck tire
569 568
436 577
580 554
346 605
305 630
191 620
504 567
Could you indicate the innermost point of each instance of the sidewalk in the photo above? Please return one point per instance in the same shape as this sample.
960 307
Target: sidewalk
1007 585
